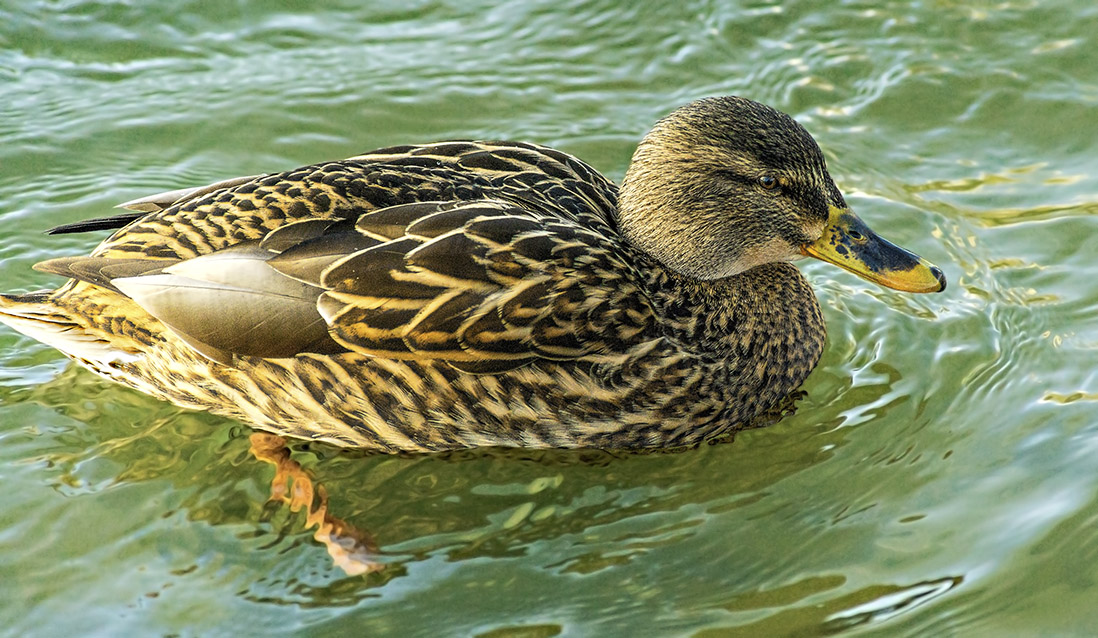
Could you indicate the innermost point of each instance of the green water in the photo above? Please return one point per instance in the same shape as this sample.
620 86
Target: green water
938 479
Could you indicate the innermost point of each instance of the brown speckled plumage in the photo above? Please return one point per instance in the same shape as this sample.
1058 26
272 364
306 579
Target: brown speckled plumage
459 294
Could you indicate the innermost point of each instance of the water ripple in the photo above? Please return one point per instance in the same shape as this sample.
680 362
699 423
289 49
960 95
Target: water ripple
935 479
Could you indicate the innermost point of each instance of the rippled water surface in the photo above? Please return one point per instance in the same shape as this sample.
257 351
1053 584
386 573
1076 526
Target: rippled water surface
937 480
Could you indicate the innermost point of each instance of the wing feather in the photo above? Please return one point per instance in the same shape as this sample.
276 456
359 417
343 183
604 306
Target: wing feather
485 286
337 256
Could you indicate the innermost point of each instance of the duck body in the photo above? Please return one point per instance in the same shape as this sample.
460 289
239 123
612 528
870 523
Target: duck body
453 295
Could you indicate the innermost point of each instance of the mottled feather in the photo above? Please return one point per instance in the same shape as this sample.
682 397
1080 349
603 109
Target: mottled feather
439 296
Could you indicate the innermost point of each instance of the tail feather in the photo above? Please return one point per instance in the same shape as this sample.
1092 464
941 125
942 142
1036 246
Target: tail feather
34 315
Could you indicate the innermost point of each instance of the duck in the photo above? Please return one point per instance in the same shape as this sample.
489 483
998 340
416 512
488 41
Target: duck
460 294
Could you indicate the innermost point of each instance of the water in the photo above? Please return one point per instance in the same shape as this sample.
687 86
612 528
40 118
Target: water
937 479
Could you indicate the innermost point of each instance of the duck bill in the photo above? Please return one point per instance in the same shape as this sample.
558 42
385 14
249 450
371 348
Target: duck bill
849 244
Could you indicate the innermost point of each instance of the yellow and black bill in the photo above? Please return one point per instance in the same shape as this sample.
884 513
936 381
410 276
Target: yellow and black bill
849 244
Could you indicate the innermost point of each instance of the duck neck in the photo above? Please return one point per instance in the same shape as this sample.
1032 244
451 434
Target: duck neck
766 316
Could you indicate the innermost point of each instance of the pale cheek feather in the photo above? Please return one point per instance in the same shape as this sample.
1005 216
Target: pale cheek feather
770 251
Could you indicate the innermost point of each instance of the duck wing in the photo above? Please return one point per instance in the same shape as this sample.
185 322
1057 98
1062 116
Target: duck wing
485 286
150 204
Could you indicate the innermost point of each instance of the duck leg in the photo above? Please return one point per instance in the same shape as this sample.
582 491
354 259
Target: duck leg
352 550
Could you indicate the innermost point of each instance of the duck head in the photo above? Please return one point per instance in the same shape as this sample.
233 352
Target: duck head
725 184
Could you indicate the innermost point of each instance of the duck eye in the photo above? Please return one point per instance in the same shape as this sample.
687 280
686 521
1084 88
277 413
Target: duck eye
769 182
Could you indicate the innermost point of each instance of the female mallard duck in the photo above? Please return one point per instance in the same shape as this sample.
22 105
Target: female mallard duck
462 294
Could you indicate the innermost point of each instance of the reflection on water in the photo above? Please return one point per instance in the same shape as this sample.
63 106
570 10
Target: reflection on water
874 604
884 602
107 437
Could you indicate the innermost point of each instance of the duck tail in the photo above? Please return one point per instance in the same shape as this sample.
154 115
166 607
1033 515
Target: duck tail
38 317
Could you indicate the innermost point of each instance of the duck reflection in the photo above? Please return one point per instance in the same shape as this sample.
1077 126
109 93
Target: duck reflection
355 550
480 503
